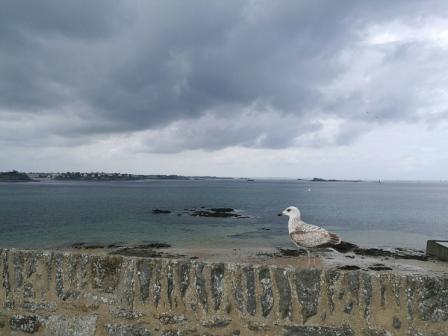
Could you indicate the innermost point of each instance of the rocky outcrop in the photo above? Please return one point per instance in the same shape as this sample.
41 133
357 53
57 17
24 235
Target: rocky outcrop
76 293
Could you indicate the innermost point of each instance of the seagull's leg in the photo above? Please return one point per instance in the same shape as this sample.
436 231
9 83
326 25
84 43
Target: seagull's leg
309 257
303 248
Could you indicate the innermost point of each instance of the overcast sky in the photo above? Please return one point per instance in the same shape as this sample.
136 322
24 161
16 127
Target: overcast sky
338 89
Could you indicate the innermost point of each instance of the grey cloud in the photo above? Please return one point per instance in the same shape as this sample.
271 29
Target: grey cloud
113 67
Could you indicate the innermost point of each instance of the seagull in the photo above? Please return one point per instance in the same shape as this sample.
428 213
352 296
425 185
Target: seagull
305 235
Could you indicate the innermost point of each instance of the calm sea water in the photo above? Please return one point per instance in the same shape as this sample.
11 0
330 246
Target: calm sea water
47 214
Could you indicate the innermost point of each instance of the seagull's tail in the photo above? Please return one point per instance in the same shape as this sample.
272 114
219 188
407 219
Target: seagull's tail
334 239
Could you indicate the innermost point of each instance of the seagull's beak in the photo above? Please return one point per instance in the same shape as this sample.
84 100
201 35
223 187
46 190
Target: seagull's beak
280 214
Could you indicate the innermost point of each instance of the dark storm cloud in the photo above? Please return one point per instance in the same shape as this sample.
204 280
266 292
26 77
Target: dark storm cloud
83 69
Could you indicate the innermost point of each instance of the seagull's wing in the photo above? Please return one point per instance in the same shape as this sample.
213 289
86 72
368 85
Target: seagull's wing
310 238
305 227
309 235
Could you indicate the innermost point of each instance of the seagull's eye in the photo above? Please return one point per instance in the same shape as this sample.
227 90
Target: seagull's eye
288 210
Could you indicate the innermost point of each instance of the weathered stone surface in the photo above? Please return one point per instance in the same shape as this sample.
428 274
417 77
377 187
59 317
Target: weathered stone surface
169 284
284 293
144 276
59 258
71 326
200 286
126 285
216 322
318 331
126 330
238 290
48 294
331 277
25 323
366 294
308 290
106 272
217 281
376 332
171 319
19 262
433 299
157 282
184 276
267 296
251 303
5 273
352 287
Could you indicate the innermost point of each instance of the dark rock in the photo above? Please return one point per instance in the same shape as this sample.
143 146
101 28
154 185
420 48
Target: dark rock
5 274
349 307
342 247
28 323
203 213
380 268
87 246
251 303
396 323
116 245
215 212
318 331
169 284
158 211
349 268
284 293
146 250
222 209
154 245
308 290
267 296
291 252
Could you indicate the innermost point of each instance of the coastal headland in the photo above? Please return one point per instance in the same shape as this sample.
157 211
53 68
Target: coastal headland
87 290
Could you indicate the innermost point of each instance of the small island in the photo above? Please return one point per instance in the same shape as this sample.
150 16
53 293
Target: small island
318 179
14 176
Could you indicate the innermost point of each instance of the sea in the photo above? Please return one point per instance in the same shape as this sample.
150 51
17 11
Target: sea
60 213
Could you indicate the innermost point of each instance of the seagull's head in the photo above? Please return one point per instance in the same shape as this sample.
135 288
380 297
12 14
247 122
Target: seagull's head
291 212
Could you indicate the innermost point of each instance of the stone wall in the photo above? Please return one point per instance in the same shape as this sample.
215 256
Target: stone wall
64 293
